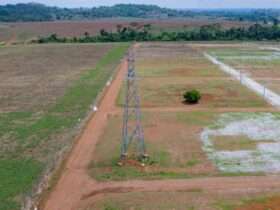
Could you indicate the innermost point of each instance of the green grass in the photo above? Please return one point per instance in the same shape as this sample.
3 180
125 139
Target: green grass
117 173
109 206
16 177
24 136
223 205
228 204
157 157
192 162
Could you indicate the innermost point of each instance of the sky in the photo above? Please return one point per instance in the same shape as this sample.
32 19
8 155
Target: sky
180 4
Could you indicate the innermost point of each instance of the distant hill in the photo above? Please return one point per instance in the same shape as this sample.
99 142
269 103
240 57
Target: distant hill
40 12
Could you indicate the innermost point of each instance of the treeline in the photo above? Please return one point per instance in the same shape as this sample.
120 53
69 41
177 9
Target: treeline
253 15
40 12
214 32
26 12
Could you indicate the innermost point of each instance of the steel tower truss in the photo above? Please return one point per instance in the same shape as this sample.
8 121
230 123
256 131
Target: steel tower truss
132 131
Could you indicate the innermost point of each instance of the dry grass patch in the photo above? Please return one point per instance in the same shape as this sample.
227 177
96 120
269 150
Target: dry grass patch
173 60
35 76
166 71
176 66
173 142
168 92
232 143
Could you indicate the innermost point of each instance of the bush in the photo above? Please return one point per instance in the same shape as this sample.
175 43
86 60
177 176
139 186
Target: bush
192 96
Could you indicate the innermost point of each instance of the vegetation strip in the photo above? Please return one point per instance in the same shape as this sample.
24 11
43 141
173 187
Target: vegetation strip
19 169
212 32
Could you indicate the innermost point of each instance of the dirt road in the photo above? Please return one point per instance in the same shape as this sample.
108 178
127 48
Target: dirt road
74 181
250 184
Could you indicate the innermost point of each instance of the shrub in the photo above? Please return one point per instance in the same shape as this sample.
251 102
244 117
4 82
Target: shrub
192 96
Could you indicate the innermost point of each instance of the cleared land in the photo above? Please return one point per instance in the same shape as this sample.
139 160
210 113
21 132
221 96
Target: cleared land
20 32
46 92
214 157
165 75
36 76
172 145
173 138
192 143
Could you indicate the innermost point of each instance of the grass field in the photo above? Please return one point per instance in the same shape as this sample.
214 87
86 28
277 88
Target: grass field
174 138
174 147
46 92
165 75
155 60
174 144
191 144
35 76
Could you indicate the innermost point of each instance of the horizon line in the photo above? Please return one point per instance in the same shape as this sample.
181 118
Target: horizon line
191 8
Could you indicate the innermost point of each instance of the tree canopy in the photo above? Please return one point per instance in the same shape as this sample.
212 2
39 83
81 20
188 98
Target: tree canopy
213 32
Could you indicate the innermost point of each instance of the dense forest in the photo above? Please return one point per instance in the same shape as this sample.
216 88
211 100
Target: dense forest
39 12
256 32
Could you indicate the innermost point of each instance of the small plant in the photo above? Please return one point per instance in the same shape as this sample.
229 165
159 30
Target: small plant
192 96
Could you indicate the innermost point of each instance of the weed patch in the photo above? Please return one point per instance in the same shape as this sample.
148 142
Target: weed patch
17 176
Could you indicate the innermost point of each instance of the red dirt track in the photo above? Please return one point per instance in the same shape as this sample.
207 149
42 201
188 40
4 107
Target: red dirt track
253 184
74 181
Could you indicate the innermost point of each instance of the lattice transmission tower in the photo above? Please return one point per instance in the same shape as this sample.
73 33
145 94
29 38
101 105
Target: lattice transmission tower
132 131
